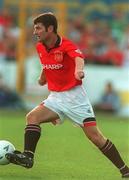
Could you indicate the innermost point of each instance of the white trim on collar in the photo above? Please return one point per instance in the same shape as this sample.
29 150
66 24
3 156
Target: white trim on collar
60 40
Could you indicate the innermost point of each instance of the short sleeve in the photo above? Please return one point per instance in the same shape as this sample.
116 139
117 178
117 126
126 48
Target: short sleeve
72 50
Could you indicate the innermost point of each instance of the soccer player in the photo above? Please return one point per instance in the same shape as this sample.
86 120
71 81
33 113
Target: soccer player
62 70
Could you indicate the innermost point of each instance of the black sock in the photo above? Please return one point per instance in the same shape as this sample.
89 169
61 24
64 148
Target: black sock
32 135
110 151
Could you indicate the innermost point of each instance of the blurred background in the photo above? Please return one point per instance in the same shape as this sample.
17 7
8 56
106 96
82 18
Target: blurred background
99 28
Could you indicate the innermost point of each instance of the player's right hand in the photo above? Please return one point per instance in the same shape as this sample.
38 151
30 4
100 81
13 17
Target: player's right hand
41 82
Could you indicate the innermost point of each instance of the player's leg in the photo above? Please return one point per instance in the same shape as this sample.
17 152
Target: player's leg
40 114
34 118
105 146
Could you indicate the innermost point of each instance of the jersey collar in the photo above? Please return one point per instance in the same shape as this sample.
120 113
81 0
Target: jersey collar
57 43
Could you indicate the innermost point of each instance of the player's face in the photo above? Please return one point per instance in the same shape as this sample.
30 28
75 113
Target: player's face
40 32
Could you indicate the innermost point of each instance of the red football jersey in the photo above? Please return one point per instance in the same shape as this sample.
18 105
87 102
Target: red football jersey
59 64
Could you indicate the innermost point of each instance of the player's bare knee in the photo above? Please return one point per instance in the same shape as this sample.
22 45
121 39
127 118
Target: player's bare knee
31 118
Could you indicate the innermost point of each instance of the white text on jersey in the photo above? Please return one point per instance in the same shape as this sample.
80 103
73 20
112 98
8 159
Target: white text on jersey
52 66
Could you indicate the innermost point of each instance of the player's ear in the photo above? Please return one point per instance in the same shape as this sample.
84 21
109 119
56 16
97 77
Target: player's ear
50 28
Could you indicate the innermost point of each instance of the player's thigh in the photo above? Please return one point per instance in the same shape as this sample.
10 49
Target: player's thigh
41 114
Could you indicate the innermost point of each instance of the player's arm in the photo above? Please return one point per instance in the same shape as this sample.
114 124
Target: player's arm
42 79
79 68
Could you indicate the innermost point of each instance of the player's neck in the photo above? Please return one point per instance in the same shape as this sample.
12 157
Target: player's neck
50 43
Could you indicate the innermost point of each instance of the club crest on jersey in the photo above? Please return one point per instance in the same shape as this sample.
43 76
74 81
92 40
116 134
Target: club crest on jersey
58 56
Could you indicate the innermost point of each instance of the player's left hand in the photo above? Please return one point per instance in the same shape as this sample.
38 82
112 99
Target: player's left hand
79 74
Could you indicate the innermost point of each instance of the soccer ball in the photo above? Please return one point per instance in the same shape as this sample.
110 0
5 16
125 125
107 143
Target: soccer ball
5 147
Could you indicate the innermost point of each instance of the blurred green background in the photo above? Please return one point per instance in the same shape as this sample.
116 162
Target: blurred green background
100 28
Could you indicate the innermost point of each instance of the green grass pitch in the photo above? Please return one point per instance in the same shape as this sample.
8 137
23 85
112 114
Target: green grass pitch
63 152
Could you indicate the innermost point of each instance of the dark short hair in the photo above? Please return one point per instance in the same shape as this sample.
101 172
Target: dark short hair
47 19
